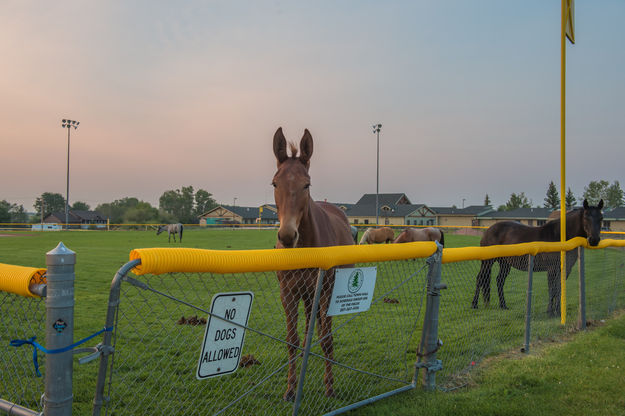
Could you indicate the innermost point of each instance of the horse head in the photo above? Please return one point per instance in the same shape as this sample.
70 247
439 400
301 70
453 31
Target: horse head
291 185
160 229
592 219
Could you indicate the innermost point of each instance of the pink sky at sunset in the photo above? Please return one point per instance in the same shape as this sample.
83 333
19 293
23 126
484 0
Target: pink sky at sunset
177 94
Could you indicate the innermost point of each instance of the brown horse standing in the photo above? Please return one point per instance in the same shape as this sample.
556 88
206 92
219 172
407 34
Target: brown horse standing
305 223
421 234
584 222
378 235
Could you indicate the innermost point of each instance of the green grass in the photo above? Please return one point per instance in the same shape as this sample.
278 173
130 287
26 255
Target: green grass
470 336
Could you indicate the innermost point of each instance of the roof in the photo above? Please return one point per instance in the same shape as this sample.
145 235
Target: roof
247 212
520 213
615 214
384 199
76 217
368 210
471 210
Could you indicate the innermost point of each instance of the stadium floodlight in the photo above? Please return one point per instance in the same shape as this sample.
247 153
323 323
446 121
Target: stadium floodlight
376 130
68 124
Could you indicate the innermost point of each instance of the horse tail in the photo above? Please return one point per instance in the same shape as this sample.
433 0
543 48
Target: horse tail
363 240
182 228
442 238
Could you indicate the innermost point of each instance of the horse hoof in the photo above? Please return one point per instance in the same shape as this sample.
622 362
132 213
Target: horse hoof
329 392
504 307
289 396
474 306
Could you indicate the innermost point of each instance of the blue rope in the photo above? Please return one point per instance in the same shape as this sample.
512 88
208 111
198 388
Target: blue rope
36 345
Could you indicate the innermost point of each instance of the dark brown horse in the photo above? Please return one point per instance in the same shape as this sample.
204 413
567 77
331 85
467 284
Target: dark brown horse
421 234
305 223
584 222
378 235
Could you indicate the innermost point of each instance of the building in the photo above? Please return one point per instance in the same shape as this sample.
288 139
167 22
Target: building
230 214
528 216
393 209
77 219
461 217
614 220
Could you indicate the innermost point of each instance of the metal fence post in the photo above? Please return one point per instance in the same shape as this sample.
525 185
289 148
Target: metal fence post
581 317
59 330
528 303
429 338
309 335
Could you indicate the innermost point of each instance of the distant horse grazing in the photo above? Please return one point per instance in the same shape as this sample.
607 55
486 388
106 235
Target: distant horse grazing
305 223
583 222
378 235
171 229
421 234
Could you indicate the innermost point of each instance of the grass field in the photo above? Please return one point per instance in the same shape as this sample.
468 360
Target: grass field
469 335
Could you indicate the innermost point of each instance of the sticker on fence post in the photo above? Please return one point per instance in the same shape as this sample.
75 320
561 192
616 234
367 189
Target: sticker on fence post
353 290
223 341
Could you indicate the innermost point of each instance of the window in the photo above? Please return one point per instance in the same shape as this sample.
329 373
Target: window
541 222
386 221
356 221
366 221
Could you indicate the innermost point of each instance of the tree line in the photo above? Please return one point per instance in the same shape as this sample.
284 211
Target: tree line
612 195
183 205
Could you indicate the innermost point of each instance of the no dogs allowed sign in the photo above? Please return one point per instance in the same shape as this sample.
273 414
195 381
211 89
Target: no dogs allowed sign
223 340
353 290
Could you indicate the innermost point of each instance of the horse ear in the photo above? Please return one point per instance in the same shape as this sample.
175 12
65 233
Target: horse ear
600 206
586 204
306 148
279 146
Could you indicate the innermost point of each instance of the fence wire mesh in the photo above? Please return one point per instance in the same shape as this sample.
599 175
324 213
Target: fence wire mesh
22 318
160 329
471 334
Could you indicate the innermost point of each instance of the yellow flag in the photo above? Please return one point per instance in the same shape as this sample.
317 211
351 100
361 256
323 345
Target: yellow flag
569 30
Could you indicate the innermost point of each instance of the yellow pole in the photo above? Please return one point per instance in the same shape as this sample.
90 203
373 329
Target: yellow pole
563 164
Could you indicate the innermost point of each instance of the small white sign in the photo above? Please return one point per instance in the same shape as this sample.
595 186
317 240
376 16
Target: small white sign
353 290
223 341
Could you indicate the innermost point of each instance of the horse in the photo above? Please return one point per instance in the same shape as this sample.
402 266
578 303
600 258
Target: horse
378 235
354 231
582 222
171 229
421 234
305 223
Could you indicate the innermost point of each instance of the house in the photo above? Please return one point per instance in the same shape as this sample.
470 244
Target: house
77 219
460 217
230 214
528 216
614 220
393 209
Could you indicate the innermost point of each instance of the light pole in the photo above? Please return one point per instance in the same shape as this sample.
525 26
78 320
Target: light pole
68 124
376 129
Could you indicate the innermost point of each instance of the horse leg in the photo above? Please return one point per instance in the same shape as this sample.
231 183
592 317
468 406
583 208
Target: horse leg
553 282
483 281
289 303
504 269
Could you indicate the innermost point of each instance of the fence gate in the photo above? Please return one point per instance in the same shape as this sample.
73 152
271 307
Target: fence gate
160 326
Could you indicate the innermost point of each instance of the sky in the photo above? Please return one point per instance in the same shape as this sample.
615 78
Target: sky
172 94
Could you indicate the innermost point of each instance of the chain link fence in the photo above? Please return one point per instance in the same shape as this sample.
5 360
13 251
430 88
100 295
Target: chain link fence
160 325
22 318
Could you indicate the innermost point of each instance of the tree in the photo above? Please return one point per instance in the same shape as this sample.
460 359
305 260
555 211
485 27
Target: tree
486 200
570 200
516 201
12 212
80 206
203 202
141 213
612 195
52 202
552 200
185 205
116 210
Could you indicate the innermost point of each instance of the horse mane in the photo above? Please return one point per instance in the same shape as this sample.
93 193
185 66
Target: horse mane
293 148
